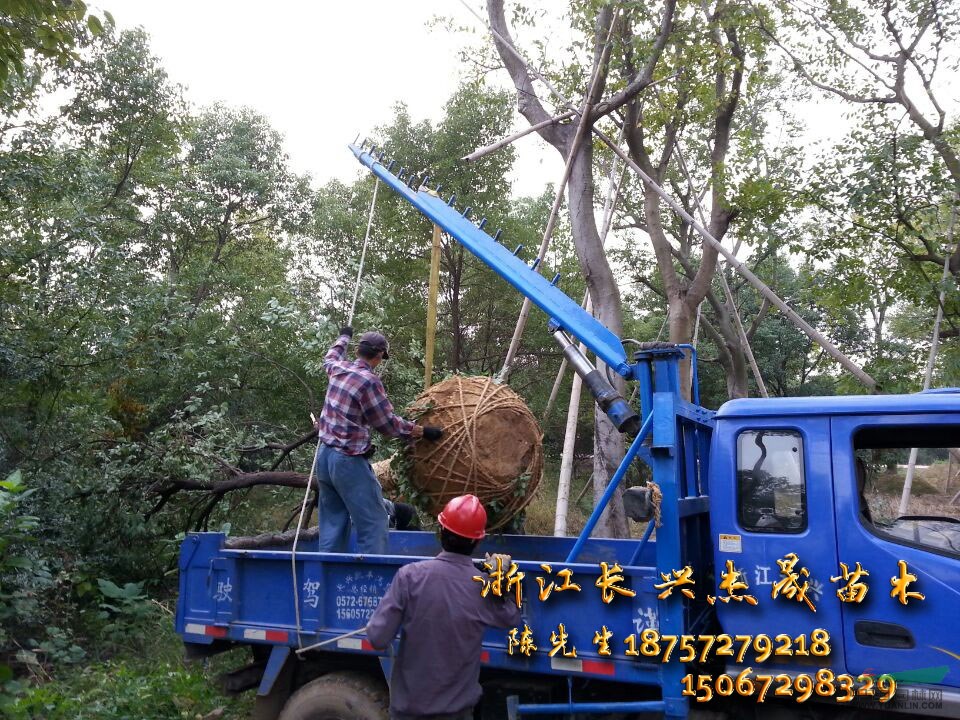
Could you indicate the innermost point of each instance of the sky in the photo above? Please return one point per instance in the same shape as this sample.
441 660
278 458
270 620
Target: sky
322 72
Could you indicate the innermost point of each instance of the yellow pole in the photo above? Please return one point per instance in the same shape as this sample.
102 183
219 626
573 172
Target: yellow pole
432 308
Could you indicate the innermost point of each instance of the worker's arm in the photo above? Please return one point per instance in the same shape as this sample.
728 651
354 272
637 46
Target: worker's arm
500 612
378 413
386 619
339 349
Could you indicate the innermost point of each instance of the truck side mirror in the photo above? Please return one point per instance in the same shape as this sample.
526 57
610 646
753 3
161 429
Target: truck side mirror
638 504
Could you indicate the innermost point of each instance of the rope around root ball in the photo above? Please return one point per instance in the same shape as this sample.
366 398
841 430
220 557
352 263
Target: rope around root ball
491 447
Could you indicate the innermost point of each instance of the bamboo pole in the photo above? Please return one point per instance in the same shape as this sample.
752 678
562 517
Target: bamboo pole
566 461
493 147
747 350
932 357
554 391
432 308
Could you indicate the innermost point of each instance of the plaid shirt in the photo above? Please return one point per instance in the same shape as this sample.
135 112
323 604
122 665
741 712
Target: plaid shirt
356 400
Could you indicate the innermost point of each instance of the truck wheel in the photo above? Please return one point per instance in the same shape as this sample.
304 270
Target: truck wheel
339 696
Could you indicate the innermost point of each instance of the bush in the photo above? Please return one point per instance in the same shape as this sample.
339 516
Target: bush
153 684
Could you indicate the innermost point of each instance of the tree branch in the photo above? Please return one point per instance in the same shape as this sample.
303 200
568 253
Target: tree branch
645 77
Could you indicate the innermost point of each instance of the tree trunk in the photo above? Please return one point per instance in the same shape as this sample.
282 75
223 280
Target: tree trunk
738 383
730 350
608 446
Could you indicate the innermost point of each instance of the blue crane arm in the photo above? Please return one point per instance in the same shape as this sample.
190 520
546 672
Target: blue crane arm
545 295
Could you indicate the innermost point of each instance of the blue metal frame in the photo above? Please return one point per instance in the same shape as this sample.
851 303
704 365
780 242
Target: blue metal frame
542 292
595 708
611 489
676 431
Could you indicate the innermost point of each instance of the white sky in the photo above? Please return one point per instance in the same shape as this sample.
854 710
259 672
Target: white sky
320 71
323 71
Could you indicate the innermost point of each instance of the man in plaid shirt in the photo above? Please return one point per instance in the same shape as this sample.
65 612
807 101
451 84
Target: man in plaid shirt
356 401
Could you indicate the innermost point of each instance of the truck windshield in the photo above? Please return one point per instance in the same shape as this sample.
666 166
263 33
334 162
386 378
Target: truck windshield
932 513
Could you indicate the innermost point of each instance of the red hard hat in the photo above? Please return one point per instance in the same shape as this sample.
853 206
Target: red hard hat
464 516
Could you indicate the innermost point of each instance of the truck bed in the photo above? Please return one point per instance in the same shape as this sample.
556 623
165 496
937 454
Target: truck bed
246 596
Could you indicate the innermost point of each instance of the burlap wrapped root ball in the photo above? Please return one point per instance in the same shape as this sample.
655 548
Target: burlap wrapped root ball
491 447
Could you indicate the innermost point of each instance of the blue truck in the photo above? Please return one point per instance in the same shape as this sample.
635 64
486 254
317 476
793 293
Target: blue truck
769 588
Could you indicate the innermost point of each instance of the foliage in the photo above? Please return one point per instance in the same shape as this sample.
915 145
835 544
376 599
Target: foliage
151 683
475 318
16 529
49 29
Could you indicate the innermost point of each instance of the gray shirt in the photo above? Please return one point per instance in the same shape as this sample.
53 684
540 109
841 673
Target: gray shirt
438 606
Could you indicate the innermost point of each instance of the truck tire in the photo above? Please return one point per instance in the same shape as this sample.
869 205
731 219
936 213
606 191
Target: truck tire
339 696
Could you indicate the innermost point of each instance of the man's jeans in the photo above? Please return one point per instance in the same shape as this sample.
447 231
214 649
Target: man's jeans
349 491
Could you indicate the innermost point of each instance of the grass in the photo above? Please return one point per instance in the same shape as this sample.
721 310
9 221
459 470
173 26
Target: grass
542 510
147 683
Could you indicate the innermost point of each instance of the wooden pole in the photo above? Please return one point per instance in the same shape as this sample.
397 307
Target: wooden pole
566 462
432 308
493 147
583 130
932 357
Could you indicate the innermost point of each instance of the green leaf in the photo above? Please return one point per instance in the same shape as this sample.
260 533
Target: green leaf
96 27
13 483
110 589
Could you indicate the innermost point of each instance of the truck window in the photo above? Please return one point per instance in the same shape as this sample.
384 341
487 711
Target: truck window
932 517
771 490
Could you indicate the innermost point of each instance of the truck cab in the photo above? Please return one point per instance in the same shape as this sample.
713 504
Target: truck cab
820 479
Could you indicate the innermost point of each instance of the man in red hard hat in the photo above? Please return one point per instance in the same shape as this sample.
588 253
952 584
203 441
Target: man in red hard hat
438 606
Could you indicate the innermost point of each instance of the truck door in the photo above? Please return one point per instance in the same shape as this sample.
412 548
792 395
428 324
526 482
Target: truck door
777 520
892 630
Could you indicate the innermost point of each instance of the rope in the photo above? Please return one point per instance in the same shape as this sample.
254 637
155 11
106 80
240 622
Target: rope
363 253
331 640
296 538
655 497
316 453
463 462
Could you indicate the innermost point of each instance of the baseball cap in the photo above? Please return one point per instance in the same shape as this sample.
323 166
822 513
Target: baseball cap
375 341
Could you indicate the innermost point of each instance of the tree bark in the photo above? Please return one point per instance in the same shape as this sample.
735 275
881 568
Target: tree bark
608 443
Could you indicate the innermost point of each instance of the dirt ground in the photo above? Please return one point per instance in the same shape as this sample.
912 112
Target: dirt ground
932 492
